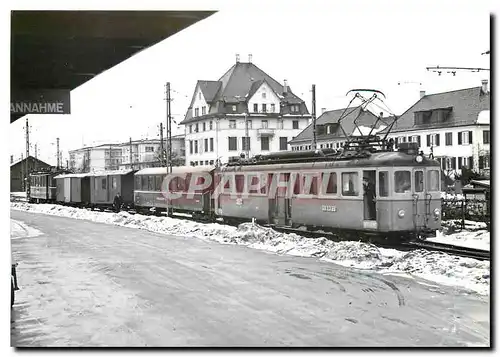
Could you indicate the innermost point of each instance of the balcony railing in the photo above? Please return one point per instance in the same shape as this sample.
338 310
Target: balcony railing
265 131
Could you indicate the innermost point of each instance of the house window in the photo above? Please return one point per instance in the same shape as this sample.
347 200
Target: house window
204 126
465 162
264 143
232 124
295 124
211 162
211 144
190 146
484 162
203 110
486 136
465 138
264 124
249 124
190 129
263 95
245 143
234 108
264 108
283 143
150 149
196 128
255 108
280 123
210 125
448 139
273 108
448 163
206 145
197 112
233 144
196 146
433 140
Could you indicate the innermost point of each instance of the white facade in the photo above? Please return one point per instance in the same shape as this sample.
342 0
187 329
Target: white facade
266 132
460 152
200 106
264 100
333 143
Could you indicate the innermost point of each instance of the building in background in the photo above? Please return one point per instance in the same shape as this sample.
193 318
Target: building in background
245 112
147 153
454 126
330 134
136 154
18 171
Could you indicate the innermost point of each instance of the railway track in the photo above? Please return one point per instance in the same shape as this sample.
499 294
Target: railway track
450 249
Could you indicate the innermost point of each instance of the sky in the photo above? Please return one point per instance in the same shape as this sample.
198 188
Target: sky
335 45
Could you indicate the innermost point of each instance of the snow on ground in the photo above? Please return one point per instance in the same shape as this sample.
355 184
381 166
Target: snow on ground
20 230
478 239
452 196
433 266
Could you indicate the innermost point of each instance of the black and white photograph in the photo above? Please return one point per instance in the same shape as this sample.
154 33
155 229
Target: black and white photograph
251 175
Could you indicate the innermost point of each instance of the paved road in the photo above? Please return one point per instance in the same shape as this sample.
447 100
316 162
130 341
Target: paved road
91 284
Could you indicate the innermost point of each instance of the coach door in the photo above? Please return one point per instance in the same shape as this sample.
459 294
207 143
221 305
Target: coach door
370 199
420 199
279 206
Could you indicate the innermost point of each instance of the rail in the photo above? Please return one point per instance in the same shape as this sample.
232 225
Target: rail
450 249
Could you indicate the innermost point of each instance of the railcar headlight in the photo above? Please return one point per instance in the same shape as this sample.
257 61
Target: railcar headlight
419 158
401 213
437 212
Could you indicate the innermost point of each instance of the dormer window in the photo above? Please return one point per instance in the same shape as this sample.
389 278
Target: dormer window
263 95
294 108
422 117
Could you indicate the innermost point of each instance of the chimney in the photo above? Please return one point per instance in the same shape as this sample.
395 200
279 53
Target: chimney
237 58
323 110
285 86
484 85
422 93
250 58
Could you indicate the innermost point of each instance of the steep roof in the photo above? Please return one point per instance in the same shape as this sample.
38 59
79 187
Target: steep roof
236 85
465 104
209 89
366 118
34 159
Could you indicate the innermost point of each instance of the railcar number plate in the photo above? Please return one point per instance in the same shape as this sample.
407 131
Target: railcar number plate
327 208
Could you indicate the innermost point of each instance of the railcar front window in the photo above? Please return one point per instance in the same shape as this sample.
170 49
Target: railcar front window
383 183
350 186
402 181
433 180
419 181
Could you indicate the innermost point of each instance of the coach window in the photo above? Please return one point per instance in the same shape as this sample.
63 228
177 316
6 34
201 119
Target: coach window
144 183
402 181
103 183
114 182
350 184
383 183
158 180
150 183
254 182
419 181
240 183
331 187
433 180
138 183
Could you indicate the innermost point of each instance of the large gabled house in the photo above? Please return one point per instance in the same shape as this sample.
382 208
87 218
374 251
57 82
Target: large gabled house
454 126
332 133
245 112
20 170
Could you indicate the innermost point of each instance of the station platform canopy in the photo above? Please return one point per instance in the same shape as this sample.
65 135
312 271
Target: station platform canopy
57 51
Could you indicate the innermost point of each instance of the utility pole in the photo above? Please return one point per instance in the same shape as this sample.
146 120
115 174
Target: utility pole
131 162
169 140
58 153
247 138
162 152
314 115
26 173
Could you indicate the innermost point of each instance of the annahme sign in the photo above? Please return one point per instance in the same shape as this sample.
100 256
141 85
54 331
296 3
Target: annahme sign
40 102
